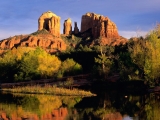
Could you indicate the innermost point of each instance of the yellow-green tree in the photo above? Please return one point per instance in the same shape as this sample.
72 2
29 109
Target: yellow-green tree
26 63
48 64
39 64
152 61
10 63
145 53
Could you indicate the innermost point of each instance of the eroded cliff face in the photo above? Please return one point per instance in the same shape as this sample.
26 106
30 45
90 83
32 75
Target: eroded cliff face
50 22
67 27
100 26
46 41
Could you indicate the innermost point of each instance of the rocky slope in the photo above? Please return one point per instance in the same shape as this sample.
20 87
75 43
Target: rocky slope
41 38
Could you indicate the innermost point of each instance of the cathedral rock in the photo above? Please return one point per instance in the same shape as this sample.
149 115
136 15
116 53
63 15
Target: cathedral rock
50 22
99 25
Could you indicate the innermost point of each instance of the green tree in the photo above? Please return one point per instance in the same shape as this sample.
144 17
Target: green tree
105 59
69 67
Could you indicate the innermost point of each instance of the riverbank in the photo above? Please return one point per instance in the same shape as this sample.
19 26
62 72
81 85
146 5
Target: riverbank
48 89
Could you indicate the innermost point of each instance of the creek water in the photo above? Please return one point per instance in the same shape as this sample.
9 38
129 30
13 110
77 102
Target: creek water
107 105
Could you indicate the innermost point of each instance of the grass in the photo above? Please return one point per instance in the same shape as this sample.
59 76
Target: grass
47 89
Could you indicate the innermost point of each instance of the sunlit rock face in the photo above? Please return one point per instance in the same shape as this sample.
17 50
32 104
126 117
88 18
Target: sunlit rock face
100 26
50 22
47 42
67 27
9 43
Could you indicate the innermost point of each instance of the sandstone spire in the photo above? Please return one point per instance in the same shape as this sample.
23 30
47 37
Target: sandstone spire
67 27
100 25
50 22
76 30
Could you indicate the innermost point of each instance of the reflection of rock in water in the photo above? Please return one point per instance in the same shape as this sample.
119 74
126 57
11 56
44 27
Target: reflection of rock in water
3 116
59 114
113 116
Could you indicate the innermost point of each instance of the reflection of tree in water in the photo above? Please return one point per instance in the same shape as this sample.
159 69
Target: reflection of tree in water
105 106
36 106
115 105
150 108
29 103
96 108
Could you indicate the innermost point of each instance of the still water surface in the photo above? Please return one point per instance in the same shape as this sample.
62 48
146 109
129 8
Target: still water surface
110 105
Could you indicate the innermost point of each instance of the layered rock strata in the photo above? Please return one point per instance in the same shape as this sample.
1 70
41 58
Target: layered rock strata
100 26
47 42
50 22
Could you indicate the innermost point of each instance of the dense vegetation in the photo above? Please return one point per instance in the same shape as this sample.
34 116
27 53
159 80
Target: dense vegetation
25 63
136 60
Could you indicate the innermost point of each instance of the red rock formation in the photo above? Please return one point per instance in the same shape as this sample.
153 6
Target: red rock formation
12 42
67 27
110 41
32 41
95 25
60 45
3 44
100 26
76 30
50 22
47 42
8 44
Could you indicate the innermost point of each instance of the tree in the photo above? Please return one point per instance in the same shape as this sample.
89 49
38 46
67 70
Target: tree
105 59
48 64
10 64
145 53
39 63
69 67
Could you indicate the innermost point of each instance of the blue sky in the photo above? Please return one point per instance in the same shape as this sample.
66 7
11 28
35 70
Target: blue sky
132 17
